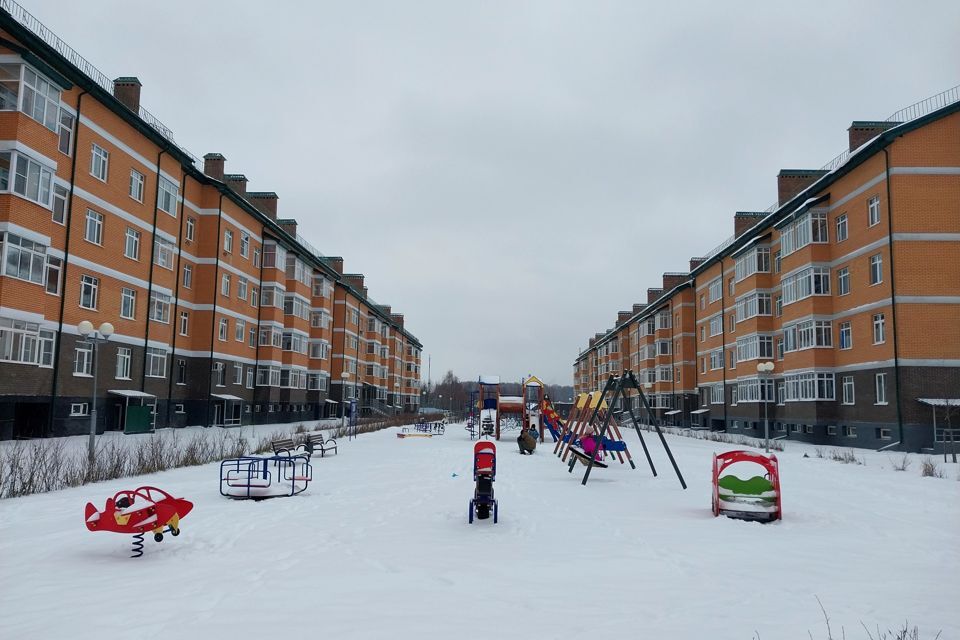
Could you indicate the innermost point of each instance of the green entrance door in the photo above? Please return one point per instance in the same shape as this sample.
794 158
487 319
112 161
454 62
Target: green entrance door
139 419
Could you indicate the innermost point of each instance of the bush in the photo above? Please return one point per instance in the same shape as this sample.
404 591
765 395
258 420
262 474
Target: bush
903 464
930 469
846 457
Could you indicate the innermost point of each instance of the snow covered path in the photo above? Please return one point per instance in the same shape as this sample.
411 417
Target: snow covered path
379 546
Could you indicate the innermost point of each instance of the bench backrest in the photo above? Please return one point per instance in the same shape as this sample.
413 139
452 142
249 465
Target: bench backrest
283 443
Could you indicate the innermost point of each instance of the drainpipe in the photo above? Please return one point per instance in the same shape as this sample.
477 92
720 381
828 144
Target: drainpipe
256 355
153 251
723 338
213 312
673 362
893 304
63 276
174 319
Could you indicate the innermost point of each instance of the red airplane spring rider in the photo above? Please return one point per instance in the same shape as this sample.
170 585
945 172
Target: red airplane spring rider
138 511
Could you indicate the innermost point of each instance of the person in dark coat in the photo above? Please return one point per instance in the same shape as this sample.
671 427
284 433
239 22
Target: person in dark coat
526 441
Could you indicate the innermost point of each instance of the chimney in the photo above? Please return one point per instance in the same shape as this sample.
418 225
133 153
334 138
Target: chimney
127 91
744 220
637 308
265 202
696 262
653 294
289 225
862 131
213 165
364 293
671 280
623 316
355 280
592 340
790 182
397 319
237 182
335 263
386 309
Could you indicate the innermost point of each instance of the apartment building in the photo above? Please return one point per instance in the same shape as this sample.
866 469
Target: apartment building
849 285
222 313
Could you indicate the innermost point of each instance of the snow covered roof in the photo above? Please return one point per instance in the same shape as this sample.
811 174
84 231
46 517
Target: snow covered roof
941 402
131 393
489 379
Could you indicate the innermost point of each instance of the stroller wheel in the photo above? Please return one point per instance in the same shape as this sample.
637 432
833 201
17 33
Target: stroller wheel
483 511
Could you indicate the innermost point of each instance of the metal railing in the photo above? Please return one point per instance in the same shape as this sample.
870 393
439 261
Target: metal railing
25 18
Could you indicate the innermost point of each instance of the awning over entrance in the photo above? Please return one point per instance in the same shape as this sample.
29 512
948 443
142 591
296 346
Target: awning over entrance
940 402
225 396
131 393
698 411
331 401
673 413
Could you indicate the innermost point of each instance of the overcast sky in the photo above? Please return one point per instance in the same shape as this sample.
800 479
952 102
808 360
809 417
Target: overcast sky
508 175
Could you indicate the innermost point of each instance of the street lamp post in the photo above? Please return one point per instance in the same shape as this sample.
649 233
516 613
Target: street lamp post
763 371
396 396
88 333
344 376
648 386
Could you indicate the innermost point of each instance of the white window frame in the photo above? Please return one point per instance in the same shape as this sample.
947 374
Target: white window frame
128 303
93 225
99 162
873 211
89 288
131 244
124 358
137 183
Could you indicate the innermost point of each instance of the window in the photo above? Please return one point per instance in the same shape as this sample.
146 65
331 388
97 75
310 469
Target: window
849 432
244 244
808 334
65 132
20 341
54 271
167 198
239 331
191 229
846 336
83 359
848 394
60 196
160 307
810 227
41 99
841 227
734 399
93 231
754 261
754 304
31 179
715 290
716 394
225 285
131 243
879 329
755 390
776 262
219 374
224 326
249 378
99 162
256 257
778 306
80 409
241 288
228 241
181 372
136 185
89 286
831 429
156 362
162 253
187 276
354 317
123 363
809 386
128 303
754 347
703 301
24 259
254 296
237 373
184 323
716 359
873 211
252 337
716 325
843 281
876 269
811 281
178 408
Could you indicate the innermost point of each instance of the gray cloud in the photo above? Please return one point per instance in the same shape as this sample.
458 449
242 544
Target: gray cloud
509 175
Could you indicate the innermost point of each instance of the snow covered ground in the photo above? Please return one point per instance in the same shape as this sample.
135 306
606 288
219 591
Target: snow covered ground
379 546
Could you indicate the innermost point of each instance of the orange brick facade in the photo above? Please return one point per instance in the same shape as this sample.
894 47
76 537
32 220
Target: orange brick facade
850 286
222 313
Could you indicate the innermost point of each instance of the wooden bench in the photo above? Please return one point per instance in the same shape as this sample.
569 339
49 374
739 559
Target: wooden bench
316 442
286 446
